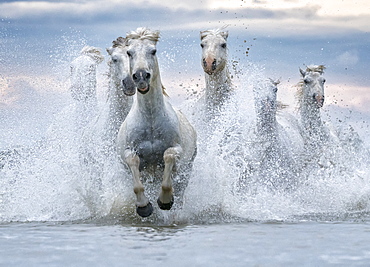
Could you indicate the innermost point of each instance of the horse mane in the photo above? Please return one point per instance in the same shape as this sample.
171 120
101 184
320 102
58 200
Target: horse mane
316 68
218 31
143 33
92 52
120 41
300 85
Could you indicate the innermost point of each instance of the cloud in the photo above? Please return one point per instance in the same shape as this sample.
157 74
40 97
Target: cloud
348 58
277 18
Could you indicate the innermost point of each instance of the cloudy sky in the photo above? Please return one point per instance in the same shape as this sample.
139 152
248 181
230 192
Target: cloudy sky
39 37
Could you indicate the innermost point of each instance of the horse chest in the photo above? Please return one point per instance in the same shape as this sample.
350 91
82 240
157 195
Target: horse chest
151 139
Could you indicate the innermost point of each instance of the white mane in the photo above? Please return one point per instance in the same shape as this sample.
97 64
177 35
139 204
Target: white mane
316 68
143 33
218 31
92 52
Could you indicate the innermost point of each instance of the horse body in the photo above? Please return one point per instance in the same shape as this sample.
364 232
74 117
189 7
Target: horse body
118 103
99 138
266 107
153 137
83 74
276 166
214 63
311 99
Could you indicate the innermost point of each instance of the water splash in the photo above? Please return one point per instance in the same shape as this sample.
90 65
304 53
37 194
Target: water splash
50 181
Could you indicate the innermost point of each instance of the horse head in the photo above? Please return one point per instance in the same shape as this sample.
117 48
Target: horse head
214 50
119 66
265 95
313 85
142 56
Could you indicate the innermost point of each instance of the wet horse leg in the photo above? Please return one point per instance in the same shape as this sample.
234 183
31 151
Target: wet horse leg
143 206
165 200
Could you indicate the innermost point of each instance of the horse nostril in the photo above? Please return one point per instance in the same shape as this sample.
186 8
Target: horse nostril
204 62
147 75
214 65
135 77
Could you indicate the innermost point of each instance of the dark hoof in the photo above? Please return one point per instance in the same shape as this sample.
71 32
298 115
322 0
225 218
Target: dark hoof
145 211
165 206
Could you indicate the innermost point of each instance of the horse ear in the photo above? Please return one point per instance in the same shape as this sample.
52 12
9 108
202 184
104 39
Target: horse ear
109 50
303 73
274 82
202 35
225 34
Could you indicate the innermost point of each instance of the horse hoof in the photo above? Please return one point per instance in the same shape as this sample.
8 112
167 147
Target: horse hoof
165 206
145 211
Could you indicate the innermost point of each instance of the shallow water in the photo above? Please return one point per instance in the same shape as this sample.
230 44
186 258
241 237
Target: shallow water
303 243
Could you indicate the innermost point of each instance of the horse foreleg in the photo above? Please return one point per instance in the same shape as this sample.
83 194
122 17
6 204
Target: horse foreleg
165 200
143 207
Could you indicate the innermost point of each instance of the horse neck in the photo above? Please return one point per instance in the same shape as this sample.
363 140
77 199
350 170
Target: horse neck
119 104
218 87
266 125
311 117
152 102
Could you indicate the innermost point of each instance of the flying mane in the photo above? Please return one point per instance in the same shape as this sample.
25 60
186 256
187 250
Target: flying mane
299 94
143 33
92 52
218 31
120 41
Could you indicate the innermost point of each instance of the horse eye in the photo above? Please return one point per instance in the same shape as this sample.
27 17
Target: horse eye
153 52
223 45
275 90
323 81
306 81
129 53
114 60
202 45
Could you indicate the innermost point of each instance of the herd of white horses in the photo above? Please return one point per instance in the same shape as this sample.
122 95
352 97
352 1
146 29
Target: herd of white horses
154 139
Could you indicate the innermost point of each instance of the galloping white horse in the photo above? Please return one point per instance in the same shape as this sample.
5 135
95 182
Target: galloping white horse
119 100
83 74
310 97
102 132
214 63
83 91
154 137
276 164
266 105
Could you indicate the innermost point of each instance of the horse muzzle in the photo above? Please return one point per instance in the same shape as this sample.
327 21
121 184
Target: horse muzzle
209 65
141 78
129 87
319 99
144 90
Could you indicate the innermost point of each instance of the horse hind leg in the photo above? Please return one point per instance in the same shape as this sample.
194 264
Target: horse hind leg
143 207
166 199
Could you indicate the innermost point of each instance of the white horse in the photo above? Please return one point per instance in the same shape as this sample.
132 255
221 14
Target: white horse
275 157
214 63
100 137
310 95
154 137
83 84
120 90
83 74
265 103
83 91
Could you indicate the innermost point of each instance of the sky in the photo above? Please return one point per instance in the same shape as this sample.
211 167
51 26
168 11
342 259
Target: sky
38 39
